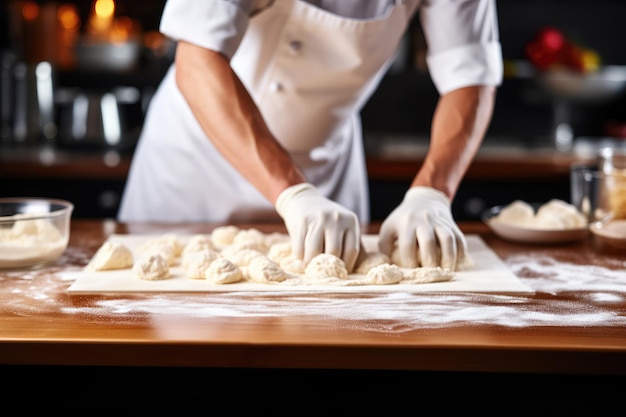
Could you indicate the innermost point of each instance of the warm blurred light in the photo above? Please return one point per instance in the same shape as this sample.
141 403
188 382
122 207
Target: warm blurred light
30 10
122 27
68 17
104 8
153 39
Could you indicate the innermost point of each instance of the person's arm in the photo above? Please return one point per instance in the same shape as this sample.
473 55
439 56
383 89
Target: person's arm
422 228
459 124
229 116
234 124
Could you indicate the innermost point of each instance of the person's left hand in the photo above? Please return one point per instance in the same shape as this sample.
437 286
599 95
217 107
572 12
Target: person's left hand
424 231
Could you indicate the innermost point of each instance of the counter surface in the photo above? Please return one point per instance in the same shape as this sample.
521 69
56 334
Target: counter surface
574 323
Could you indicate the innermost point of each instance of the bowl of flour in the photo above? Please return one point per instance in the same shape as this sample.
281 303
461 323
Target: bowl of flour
34 232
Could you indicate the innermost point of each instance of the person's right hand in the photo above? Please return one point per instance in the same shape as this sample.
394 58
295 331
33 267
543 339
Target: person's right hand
318 225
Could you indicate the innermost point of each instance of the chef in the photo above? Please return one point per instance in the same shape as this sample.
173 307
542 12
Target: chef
257 120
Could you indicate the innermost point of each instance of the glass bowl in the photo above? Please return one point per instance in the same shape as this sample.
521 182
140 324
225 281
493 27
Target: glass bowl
34 232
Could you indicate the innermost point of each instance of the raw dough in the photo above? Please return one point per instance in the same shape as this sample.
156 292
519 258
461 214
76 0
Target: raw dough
197 263
157 246
223 236
242 257
557 214
279 251
29 242
264 270
198 243
292 264
518 213
370 260
111 255
384 274
251 238
326 265
152 268
223 271
424 275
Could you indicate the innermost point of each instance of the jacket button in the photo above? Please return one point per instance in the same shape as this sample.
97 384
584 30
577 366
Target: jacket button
275 86
295 46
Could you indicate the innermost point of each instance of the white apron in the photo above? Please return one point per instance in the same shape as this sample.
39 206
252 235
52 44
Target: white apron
310 72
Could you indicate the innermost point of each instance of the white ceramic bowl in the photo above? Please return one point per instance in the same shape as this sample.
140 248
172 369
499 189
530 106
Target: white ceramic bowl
34 232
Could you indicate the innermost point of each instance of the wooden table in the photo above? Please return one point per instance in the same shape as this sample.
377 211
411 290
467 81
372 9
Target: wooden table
571 332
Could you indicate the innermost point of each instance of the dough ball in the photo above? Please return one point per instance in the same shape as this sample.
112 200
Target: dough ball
292 264
172 240
223 235
264 270
326 265
157 247
190 257
279 251
152 268
197 263
557 214
518 213
384 274
424 275
250 238
111 255
276 237
198 243
223 271
242 257
370 260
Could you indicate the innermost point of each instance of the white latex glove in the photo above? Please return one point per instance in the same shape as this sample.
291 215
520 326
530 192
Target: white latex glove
318 225
423 222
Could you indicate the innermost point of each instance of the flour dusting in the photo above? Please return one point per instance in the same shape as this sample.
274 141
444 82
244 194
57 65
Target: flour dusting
590 290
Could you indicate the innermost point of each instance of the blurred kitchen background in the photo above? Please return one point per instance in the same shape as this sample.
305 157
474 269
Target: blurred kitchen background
76 79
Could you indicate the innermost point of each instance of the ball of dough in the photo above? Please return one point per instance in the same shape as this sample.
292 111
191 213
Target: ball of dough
292 264
172 240
152 268
198 243
111 255
370 260
242 257
384 274
196 263
187 258
154 247
264 270
557 214
279 251
251 238
223 235
326 265
518 213
223 271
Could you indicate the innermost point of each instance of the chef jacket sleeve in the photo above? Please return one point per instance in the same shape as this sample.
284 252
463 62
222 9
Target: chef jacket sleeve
463 43
218 25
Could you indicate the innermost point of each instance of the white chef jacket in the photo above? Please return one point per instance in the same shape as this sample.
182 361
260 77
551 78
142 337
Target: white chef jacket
310 67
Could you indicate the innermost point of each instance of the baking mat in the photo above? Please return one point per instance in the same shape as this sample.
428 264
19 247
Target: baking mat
489 274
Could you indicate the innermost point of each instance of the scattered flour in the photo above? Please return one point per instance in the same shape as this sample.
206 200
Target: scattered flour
590 291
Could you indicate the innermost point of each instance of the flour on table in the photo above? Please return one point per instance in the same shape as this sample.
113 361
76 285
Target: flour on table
111 255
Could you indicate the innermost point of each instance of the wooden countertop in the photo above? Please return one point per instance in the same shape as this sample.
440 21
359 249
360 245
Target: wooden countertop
575 323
